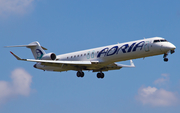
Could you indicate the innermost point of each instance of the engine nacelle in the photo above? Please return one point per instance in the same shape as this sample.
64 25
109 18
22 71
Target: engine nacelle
49 56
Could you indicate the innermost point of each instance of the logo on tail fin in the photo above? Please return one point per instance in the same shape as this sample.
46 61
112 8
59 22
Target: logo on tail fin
39 53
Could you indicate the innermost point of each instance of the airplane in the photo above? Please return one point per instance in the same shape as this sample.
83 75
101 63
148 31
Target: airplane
98 59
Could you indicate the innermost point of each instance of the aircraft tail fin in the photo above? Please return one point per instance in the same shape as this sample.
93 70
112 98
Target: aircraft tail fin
36 48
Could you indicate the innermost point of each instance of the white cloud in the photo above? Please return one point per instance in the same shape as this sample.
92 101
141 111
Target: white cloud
164 79
20 85
14 6
156 97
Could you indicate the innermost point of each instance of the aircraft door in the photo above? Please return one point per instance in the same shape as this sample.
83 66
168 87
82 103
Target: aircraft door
146 46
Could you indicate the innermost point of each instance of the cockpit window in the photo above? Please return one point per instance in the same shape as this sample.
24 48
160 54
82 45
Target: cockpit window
155 41
163 40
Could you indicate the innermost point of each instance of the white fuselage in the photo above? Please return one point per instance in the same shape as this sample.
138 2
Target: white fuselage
118 52
115 53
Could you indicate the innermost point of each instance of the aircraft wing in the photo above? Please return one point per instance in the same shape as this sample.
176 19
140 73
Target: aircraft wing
52 61
114 66
122 65
88 65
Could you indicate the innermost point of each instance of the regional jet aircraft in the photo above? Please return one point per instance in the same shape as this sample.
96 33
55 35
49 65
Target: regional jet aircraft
98 59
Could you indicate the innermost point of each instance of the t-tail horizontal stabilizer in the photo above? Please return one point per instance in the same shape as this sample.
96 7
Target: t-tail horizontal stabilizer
36 48
28 46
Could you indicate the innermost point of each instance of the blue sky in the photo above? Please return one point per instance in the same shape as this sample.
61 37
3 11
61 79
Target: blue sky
65 26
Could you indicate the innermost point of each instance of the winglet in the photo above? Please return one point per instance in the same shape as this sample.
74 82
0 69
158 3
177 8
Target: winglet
132 64
15 56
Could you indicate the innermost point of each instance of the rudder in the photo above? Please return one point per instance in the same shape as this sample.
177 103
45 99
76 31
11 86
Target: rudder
37 50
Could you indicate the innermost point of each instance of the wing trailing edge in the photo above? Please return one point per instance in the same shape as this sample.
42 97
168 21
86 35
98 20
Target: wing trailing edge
52 61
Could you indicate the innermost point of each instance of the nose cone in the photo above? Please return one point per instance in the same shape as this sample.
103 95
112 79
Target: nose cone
168 46
171 46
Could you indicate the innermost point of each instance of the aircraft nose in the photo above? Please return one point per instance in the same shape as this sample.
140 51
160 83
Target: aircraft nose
171 46
168 46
